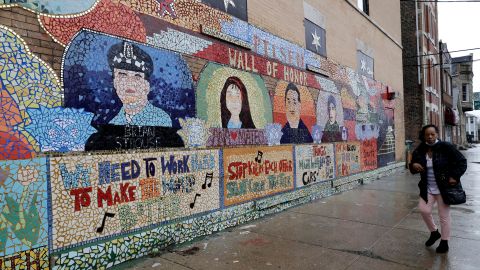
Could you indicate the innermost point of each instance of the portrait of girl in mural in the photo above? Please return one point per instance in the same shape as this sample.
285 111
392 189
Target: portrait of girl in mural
331 131
330 117
234 106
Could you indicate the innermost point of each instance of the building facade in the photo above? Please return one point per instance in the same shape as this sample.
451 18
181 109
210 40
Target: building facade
130 125
421 67
471 127
462 83
450 116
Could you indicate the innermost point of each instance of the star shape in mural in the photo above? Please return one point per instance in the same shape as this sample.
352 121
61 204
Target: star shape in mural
228 3
316 40
166 7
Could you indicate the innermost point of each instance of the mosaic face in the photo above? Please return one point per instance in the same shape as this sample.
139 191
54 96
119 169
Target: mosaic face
330 116
130 86
234 101
294 109
293 105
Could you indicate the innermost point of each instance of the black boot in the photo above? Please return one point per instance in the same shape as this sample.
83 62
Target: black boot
434 236
443 247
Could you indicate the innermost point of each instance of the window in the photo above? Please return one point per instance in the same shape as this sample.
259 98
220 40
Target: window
464 92
363 6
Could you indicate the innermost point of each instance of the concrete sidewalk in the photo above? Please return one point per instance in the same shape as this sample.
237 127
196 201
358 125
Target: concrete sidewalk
376 226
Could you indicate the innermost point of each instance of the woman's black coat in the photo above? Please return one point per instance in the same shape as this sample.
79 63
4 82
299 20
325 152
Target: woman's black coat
447 162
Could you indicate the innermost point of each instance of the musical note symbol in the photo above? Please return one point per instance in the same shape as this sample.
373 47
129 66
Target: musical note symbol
259 157
207 176
194 200
100 229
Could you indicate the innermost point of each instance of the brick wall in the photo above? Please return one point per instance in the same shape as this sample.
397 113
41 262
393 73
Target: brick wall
25 24
414 95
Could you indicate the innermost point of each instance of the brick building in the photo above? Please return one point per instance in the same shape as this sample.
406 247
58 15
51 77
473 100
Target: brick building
462 84
421 67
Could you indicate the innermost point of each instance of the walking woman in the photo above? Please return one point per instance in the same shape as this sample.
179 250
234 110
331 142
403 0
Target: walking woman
440 166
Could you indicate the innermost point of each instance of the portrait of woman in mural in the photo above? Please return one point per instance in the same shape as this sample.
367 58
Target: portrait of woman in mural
234 106
330 117
331 131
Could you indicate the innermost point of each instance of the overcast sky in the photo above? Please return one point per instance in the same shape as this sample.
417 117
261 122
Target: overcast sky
459 27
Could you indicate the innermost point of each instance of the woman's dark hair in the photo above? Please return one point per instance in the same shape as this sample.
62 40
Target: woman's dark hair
421 135
292 87
245 115
331 100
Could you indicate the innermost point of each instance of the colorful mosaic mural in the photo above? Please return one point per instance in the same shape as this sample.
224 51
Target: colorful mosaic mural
234 103
149 74
252 173
330 117
26 84
53 6
314 164
117 19
33 259
294 109
23 205
137 93
101 195
347 158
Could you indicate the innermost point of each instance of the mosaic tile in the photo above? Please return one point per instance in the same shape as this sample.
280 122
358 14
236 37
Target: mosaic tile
155 239
102 195
294 109
23 205
330 117
347 158
34 259
55 6
107 16
178 41
314 163
27 83
252 173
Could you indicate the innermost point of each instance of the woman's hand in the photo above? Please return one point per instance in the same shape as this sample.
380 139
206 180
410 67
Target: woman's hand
417 167
452 181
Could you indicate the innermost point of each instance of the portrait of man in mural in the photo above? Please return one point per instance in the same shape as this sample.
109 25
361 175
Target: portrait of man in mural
131 68
331 131
294 131
234 106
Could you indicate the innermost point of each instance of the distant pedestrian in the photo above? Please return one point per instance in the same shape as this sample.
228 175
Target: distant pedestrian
440 166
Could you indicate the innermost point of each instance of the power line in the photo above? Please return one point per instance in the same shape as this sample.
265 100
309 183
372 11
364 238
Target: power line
444 1
428 54
427 66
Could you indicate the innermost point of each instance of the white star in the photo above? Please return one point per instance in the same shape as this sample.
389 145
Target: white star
316 40
364 65
227 3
